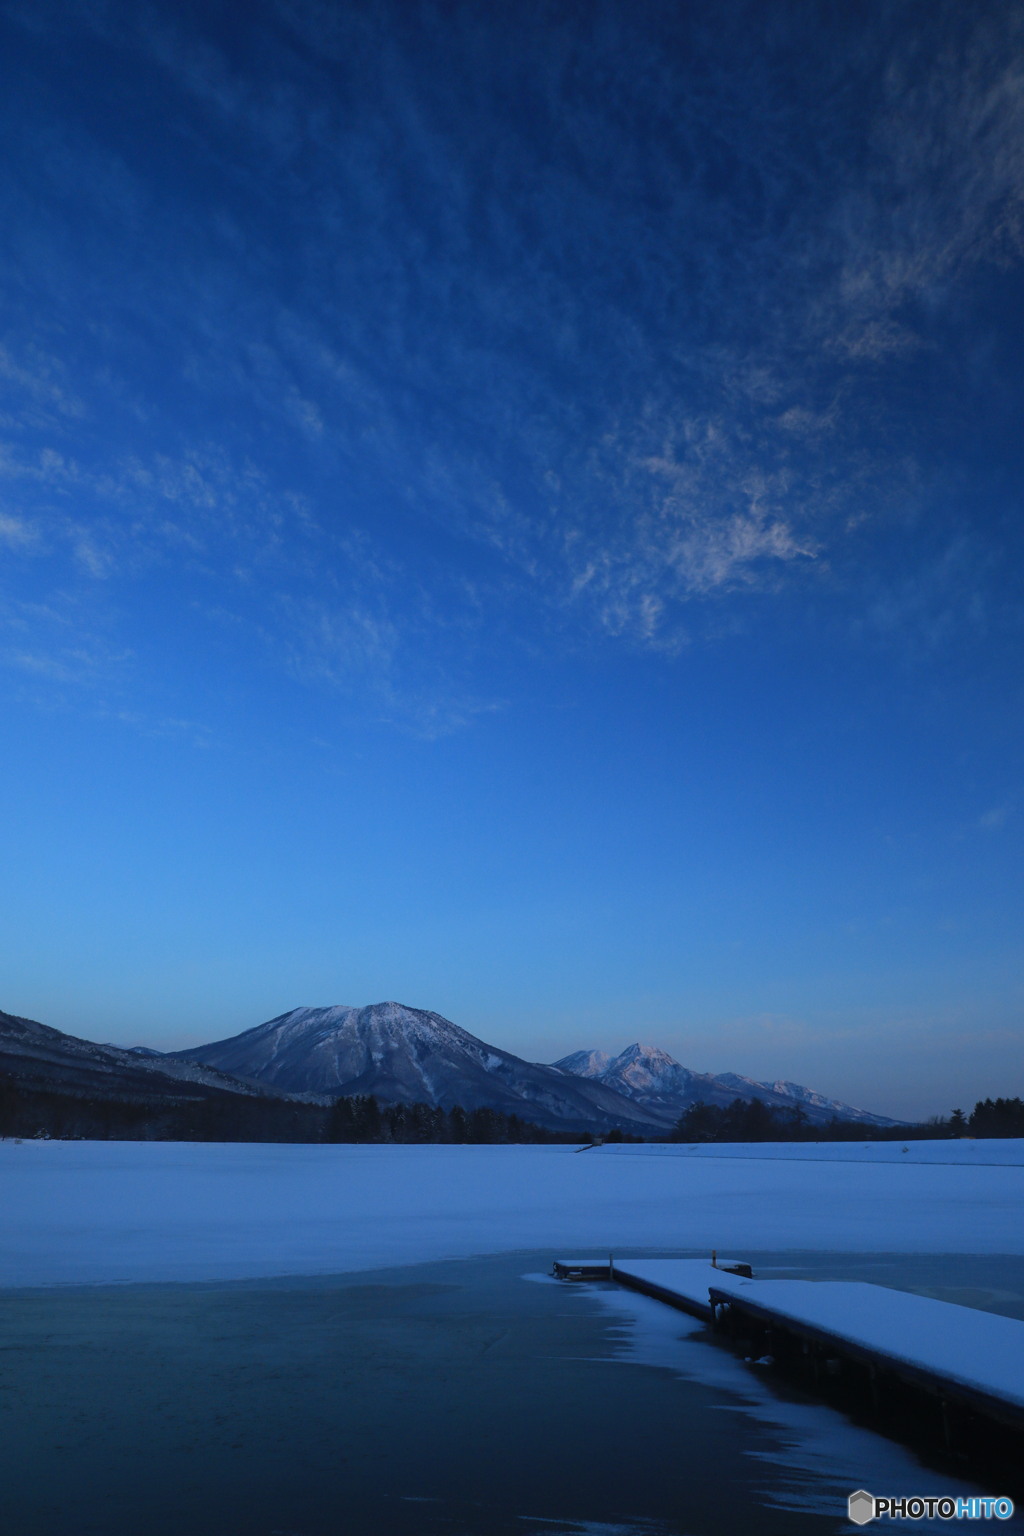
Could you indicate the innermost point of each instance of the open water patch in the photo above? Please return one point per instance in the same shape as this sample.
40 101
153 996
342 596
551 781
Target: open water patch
446 1399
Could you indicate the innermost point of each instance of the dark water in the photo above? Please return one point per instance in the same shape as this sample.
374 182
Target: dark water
457 1398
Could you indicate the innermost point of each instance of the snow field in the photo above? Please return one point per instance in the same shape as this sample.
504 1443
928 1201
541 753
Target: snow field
98 1212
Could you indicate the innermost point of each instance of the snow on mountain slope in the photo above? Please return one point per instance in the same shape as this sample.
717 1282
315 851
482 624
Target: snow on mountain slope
651 1077
401 1053
584 1063
645 1071
789 1095
807 1096
656 1081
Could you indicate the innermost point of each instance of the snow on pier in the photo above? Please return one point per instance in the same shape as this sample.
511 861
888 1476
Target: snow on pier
960 1352
682 1283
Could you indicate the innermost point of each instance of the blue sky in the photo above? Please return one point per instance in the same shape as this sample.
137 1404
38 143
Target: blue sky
517 510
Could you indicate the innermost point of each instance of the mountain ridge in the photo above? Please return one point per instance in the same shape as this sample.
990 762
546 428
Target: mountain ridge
400 1054
397 1052
653 1079
43 1058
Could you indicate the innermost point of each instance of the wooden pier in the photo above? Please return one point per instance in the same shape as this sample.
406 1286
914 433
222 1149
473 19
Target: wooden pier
966 1359
681 1283
866 1338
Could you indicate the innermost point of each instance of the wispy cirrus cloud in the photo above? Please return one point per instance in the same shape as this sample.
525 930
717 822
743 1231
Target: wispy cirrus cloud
627 319
15 531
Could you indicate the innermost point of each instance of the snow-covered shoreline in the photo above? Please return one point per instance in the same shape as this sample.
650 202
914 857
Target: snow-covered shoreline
107 1212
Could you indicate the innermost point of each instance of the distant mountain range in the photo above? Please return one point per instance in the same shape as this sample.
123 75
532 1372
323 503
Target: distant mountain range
398 1054
653 1079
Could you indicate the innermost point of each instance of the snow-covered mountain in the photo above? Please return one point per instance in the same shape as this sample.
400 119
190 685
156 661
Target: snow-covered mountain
660 1084
584 1063
400 1053
817 1106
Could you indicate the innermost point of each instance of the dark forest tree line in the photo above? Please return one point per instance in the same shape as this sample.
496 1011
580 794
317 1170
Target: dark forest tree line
28 1111
214 1115
989 1117
359 1118
750 1120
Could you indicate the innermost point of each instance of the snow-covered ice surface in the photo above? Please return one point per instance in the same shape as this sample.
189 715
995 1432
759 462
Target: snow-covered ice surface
95 1212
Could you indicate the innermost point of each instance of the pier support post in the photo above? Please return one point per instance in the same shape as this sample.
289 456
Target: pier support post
947 1428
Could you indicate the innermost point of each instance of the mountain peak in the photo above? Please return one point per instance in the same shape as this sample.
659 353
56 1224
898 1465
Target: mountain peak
646 1053
402 1054
645 1072
584 1063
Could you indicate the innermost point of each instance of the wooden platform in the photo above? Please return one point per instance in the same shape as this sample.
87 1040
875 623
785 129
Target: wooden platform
582 1269
682 1283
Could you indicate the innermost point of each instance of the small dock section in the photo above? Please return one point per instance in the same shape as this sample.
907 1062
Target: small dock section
681 1283
582 1269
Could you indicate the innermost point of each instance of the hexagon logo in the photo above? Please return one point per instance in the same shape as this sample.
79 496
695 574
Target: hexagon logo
861 1506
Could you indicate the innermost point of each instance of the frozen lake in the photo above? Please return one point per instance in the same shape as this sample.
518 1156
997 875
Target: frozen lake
94 1212
239 1340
